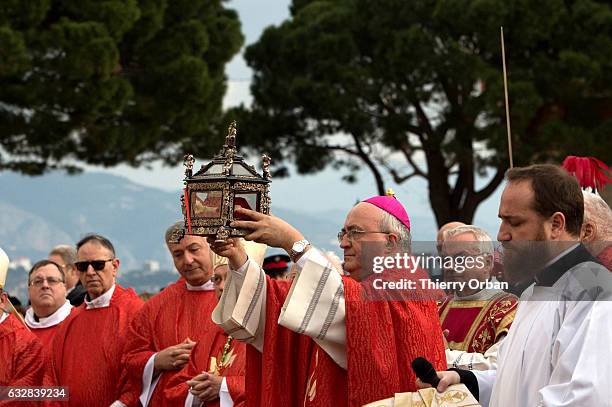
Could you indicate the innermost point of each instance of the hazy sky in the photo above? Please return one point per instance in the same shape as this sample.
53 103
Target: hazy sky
313 193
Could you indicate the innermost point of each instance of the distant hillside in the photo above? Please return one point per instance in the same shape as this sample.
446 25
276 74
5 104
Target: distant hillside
37 213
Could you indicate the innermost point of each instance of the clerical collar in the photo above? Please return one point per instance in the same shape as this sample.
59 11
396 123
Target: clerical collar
100 302
558 266
47 322
3 316
207 286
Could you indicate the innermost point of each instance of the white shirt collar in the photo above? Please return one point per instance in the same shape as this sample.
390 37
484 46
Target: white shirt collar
52 320
102 301
3 316
207 286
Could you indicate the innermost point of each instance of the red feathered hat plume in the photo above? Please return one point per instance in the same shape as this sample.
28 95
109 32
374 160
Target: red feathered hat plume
589 170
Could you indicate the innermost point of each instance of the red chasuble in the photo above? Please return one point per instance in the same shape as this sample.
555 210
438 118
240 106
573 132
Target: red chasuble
21 358
45 335
292 370
384 336
475 325
232 368
167 319
87 351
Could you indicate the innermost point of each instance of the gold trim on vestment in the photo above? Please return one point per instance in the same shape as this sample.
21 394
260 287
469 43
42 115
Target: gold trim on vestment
486 309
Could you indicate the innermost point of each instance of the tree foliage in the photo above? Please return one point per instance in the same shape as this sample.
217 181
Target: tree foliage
415 89
111 81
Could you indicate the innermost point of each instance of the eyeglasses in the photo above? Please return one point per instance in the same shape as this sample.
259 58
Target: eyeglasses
216 278
353 234
97 265
52 281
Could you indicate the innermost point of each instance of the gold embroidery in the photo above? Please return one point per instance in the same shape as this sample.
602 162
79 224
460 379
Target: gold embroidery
451 396
225 359
504 325
482 340
490 311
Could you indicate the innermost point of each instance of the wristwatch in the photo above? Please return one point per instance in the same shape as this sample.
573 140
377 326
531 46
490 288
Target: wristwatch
298 249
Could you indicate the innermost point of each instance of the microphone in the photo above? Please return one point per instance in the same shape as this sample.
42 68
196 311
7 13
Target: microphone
424 370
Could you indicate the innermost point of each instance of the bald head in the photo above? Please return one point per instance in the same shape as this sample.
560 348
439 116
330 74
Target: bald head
598 216
596 231
446 227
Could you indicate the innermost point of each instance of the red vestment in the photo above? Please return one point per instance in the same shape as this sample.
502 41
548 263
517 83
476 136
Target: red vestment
475 325
167 319
382 339
87 351
384 336
209 346
45 335
292 370
22 360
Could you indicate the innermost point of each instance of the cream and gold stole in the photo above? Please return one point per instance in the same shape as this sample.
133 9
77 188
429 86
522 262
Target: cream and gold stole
455 396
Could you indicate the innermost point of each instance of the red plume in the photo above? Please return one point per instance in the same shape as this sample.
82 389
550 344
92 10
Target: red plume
589 170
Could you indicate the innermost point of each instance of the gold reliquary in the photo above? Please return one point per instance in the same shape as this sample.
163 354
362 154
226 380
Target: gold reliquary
212 194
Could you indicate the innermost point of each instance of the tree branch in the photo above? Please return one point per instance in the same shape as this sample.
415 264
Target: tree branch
422 117
380 184
398 179
491 186
335 148
407 151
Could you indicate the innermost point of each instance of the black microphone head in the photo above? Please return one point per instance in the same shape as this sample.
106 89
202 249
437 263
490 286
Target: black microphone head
424 370
421 366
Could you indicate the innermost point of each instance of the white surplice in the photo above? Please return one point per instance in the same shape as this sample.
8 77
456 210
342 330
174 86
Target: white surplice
474 360
558 352
314 305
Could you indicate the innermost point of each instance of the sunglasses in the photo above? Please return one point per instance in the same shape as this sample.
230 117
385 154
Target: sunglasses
97 265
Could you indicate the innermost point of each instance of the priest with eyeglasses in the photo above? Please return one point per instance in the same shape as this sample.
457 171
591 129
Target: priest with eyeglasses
320 340
47 292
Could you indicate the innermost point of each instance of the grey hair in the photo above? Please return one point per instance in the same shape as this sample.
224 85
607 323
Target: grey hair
597 212
389 223
486 245
67 253
175 228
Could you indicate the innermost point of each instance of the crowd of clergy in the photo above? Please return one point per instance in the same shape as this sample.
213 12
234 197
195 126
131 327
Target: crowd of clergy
241 329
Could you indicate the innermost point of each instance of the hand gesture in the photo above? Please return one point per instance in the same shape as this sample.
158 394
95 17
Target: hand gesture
447 378
230 248
268 229
173 357
205 386
444 336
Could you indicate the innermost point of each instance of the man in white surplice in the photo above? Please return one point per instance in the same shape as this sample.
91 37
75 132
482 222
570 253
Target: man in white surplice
558 351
